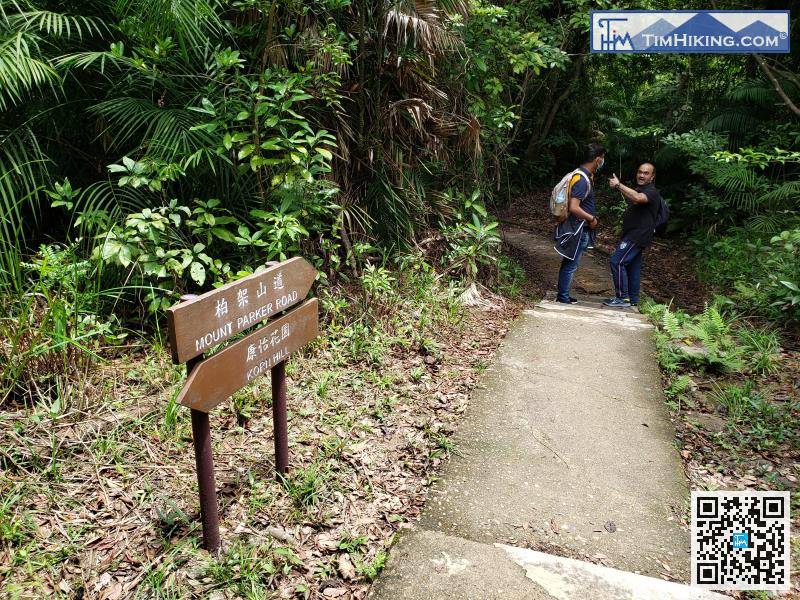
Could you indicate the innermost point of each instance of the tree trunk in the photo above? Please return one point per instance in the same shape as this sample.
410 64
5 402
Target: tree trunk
538 136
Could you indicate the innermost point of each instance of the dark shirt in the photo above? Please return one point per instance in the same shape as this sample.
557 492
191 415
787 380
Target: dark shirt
639 220
581 189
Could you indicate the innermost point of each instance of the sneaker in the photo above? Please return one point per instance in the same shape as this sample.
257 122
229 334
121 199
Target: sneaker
617 303
571 300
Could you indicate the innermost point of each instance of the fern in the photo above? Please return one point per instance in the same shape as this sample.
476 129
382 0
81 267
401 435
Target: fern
734 121
753 91
671 324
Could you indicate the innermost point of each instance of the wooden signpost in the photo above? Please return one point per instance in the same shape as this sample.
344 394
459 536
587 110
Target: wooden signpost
199 323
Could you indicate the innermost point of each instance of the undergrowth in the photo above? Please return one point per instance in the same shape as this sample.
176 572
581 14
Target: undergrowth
372 404
729 386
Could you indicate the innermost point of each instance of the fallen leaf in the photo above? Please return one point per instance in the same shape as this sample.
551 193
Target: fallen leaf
327 542
113 592
553 526
346 568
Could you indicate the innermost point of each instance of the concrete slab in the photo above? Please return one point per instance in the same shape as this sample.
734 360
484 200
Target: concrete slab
567 579
427 565
568 444
592 277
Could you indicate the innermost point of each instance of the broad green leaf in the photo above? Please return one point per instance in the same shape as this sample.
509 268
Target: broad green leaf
223 234
198 273
246 151
792 286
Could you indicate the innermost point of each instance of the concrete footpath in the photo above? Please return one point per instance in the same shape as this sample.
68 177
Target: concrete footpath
565 482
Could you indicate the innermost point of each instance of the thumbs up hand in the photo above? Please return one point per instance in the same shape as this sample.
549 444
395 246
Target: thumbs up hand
613 181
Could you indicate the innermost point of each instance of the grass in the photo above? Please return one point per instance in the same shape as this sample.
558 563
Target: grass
762 348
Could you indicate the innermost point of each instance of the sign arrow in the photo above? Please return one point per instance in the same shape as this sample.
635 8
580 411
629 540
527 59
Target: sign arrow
199 324
219 376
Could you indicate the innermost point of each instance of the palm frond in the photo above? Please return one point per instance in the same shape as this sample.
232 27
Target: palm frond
734 121
21 69
786 194
417 23
163 132
766 222
56 24
743 187
192 23
753 92
105 198
22 175
735 177
85 60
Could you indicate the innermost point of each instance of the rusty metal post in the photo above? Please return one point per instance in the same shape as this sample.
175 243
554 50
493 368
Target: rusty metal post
279 419
204 461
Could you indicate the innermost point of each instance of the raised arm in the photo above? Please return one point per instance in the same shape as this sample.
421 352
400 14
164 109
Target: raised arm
629 193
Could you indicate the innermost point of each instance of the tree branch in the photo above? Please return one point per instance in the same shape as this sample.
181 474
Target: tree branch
776 84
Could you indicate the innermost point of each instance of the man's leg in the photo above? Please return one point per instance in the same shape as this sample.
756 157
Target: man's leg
623 254
568 268
634 276
620 279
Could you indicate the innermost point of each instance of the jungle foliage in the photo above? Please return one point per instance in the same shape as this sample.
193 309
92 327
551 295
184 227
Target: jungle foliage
149 149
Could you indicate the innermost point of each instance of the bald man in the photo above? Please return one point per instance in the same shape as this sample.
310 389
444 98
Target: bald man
638 227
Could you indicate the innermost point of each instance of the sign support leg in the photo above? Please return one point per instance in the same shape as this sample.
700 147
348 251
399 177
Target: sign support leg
279 419
204 459
204 462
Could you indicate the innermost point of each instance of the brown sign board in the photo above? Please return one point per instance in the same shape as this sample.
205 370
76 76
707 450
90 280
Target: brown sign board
197 325
222 374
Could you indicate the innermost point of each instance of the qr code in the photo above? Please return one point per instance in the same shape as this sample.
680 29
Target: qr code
740 540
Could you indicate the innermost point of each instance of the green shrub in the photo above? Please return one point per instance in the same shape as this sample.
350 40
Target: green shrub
510 276
473 241
782 268
726 259
762 275
52 330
